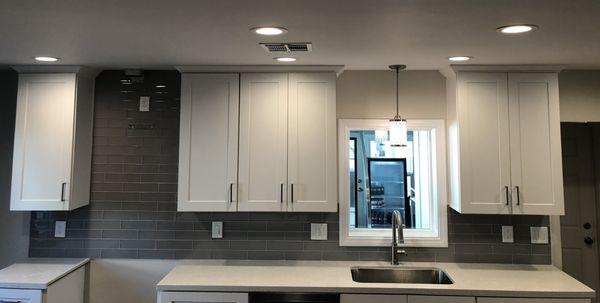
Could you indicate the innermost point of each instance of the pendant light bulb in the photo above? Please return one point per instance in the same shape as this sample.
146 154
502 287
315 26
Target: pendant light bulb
398 127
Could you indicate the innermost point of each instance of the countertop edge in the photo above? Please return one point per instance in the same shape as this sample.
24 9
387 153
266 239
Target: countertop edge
44 286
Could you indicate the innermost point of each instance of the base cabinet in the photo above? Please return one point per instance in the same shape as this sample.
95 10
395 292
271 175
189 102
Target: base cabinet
69 289
201 297
363 298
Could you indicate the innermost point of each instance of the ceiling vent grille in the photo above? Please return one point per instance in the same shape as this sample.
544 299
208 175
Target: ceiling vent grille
287 47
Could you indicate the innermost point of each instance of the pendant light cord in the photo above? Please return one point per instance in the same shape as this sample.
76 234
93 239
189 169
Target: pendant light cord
397 92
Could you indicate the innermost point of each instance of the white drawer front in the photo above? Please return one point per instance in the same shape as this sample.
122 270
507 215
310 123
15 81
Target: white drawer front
201 297
20 296
440 299
530 300
358 298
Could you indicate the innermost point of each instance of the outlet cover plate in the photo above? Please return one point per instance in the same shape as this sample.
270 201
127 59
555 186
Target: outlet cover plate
539 235
217 230
318 231
144 104
508 234
60 229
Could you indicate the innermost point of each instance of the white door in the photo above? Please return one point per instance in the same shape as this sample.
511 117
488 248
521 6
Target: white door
208 142
43 142
536 163
312 158
484 143
201 297
263 142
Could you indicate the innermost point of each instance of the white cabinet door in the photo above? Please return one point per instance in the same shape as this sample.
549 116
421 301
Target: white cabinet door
208 142
482 109
536 163
200 297
359 298
263 142
530 300
312 166
43 142
440 299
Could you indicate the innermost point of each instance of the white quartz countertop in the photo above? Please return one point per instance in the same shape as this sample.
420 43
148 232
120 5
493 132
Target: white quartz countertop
543 281
38 273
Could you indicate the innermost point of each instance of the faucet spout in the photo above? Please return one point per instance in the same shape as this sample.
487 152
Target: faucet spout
397 237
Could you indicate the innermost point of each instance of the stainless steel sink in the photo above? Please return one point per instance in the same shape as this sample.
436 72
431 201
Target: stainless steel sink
400 275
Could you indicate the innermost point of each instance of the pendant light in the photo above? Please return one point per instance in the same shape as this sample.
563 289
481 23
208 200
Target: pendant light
398 129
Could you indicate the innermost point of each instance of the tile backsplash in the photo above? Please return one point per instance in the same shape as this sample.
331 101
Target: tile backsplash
132 213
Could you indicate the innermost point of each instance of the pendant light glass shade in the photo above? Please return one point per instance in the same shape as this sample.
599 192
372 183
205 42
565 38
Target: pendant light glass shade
398 128
398 132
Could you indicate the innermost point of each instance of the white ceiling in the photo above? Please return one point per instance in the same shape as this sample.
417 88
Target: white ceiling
368 34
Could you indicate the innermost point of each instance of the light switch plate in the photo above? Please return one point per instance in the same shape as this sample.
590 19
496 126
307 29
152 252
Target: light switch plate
507 234
144 104
217 230
539 235
318 231
60 229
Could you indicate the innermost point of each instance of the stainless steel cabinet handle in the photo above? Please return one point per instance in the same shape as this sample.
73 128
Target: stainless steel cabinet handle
62 194
292 192
10 301
506 189
281 193
518 196
231 193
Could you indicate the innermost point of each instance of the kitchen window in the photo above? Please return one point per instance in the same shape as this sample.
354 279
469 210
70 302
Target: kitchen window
377 178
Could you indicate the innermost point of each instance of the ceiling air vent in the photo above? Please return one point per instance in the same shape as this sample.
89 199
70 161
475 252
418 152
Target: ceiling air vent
287 47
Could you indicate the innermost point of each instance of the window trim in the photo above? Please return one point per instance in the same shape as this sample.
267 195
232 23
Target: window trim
437 236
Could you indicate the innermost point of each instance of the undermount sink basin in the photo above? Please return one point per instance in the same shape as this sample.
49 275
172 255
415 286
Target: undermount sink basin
400 275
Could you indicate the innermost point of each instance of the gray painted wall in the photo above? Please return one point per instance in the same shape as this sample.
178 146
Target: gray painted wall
14 226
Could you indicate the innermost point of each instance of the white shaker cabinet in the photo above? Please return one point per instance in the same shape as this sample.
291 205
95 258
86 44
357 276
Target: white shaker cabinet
530 300
258 142
208 142
362 298
312 168
263 142
504 143
53 141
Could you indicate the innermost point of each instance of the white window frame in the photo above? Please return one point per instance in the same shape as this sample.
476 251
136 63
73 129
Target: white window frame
437 235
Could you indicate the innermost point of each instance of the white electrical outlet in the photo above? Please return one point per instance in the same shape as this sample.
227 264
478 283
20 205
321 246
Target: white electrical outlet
318 231
217 230
60 229
539 235
507 234
144 104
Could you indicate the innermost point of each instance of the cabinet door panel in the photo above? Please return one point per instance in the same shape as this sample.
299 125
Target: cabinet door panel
356 298
311 142
484 142
263 142
536 163
200 297
43 142
208 142
530 300
440 299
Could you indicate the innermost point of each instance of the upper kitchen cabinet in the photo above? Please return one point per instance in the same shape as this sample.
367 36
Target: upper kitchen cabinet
53 140
285 126
504 143
208 142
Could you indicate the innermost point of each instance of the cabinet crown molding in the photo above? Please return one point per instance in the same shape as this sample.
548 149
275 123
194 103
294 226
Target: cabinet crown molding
56 69
338 69
451 70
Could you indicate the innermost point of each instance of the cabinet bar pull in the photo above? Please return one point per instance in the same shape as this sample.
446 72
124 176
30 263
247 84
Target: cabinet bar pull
518 195
292 192
230 192
281 193
506 188
62 191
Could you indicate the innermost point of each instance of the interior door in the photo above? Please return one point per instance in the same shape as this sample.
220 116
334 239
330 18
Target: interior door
312 141
43 142
484 142
536 170
263 142
208 144
578 226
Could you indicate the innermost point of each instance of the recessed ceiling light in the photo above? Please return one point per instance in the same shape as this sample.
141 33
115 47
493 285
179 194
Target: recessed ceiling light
45 59
269 30
160 86
460 58
285 59
517 28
